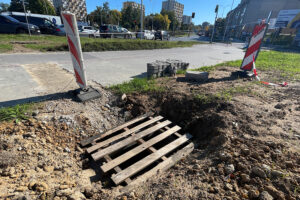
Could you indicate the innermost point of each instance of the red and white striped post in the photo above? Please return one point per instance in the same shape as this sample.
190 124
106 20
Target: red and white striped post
71 28
255 43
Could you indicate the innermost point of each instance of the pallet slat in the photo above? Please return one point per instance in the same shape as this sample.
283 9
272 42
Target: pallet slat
140 165
161 167
126 133
99 136
113 148
122 158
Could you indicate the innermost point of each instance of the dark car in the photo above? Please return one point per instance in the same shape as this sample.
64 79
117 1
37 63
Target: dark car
11 25
45 25
162 35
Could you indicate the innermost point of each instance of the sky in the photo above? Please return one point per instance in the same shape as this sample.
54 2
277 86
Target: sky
204 9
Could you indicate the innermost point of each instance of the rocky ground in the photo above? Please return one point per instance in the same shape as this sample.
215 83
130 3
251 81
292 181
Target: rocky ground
248 138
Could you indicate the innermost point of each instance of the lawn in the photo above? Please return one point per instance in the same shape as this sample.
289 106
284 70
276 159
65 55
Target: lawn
55 43
288 64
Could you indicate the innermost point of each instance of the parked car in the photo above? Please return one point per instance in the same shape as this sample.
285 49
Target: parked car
60 30
11 25
88 31
146 34
114 31
162 35
126 33
46 26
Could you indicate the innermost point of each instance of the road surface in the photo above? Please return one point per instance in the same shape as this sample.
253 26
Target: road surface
106 68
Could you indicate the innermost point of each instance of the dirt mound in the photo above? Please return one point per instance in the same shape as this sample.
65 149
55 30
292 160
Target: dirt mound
247 135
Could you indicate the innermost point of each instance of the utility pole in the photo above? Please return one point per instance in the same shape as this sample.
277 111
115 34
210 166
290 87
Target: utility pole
26 17
227 21
142 16
212 35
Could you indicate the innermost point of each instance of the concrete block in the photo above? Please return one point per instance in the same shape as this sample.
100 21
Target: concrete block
197 76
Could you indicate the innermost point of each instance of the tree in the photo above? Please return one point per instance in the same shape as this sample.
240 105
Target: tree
174 23
205 24
131 18
102 15
115 17
34 6
220 26
4 7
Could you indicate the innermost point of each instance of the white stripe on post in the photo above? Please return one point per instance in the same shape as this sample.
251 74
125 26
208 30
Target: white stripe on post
73 38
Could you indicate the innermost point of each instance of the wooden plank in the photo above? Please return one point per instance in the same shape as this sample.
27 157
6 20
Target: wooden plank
96 156
102 135
121 135
161 167
151 149
117 168
122 158
140 165
167 128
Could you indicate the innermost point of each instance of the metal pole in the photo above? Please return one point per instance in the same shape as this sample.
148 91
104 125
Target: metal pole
26 18
212 36
227 22
142 15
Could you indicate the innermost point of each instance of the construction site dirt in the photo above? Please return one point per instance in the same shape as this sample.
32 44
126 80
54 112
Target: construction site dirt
247 136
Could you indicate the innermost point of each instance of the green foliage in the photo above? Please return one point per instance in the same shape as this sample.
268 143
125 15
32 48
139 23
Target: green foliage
288 64
18 112
4 7
131 18
55 43
225 95
35 6
136 85
174 23
181 71
5 47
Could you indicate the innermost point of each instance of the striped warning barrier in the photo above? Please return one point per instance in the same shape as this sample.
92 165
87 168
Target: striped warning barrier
72 33
284 84
254 46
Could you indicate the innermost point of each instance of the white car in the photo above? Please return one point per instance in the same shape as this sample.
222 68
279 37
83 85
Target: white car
88 31
146 34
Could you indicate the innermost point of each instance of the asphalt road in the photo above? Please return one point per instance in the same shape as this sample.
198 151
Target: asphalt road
105 68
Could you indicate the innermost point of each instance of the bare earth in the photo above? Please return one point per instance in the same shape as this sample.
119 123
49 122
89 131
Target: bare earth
248 138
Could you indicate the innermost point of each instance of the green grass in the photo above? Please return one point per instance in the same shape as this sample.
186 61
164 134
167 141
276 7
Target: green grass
288 64
56 43
18 112
225 95
181 71
5 48
140 85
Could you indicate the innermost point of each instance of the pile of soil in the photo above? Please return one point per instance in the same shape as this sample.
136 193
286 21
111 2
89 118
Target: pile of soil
247 137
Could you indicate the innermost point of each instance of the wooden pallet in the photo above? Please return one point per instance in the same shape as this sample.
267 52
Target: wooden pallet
139 149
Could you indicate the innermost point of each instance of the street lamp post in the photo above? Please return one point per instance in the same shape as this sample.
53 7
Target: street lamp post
227 21
26 17
142 16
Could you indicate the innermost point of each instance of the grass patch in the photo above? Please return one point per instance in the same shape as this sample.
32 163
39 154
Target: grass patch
5 48
18 112
140 85
58 43
225 95
288 64
181 71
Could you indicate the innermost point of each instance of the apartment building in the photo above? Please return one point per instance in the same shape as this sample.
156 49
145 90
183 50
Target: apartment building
173 5
186 19
250 12
133 5
78 7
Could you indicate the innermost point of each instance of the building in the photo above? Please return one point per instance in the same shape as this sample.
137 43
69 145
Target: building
173 5
243 18
78 7
133 5
186 19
